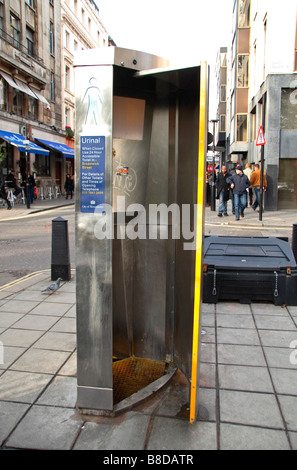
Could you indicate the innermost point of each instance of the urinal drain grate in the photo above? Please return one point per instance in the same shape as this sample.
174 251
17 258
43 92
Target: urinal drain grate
133 374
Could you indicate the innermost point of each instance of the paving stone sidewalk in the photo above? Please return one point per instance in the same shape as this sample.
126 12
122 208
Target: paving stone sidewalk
248 381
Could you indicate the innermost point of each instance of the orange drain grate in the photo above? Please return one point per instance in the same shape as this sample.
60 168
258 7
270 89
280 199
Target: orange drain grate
133 374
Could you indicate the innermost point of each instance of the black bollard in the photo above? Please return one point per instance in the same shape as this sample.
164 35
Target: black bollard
60 250
294 241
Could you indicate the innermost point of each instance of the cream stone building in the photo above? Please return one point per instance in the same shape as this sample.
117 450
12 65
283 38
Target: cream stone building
261 91
38 39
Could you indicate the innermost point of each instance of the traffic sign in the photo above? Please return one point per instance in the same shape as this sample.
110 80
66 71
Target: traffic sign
261 138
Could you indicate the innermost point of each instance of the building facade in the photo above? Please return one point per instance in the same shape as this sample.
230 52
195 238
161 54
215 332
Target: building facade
30 86
262 87
222 83
81 29
38 39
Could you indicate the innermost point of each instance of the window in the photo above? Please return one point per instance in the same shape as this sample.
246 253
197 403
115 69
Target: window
244 13
224 59
3 94
30 41
232 131
30 3
241 128
32 108
52 86
287 190
265 46
243 71
67 39
17 102
15 29
232 105
223 93
288 109
296 50
42 165
67 77
67 117
1 17
52 39
223 123
51 2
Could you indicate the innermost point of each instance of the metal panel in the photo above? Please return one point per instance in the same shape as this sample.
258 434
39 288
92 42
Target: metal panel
93 256
118 56
137 296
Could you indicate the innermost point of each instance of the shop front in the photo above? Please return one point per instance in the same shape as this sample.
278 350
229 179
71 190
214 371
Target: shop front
57 166
16 152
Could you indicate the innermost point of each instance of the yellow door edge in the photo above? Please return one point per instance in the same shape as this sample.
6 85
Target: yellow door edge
203 116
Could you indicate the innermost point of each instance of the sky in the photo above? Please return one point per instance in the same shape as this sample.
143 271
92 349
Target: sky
184 31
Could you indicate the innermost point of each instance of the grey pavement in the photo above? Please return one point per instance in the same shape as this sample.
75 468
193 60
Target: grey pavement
39 205
248 373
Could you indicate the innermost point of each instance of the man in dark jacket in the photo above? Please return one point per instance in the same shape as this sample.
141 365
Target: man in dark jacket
12 183
223 191
239 183
3 193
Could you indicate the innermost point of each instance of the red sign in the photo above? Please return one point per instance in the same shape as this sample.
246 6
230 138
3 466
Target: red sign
261 138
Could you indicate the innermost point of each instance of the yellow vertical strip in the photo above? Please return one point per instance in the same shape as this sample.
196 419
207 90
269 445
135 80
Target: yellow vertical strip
199 237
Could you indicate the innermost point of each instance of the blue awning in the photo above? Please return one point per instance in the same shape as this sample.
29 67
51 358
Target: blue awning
63 148
18 141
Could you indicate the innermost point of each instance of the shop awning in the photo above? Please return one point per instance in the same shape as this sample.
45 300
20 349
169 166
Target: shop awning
62 148
40 97
18 141
23 87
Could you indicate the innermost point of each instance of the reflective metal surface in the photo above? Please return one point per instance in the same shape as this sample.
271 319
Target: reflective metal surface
93 256
135 292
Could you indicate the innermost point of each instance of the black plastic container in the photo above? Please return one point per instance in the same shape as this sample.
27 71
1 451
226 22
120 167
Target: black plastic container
249 270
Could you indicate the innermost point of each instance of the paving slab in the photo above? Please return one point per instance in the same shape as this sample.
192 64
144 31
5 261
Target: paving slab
61 392
40 361
166 435
19 337
245 378
10 414
46 428
235 437
22 387
128 432
248 380
249 408
284 380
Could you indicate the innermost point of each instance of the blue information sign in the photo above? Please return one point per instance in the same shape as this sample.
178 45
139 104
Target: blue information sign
92 174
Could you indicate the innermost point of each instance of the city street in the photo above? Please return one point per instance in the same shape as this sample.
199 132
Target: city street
25 242
25 239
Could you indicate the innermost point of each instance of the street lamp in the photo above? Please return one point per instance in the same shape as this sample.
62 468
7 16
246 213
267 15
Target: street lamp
27 146
213 188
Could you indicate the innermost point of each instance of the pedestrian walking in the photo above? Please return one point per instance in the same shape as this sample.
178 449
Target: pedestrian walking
239 184
68 186
248 172
32 186
3 193
256 183
223 191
